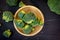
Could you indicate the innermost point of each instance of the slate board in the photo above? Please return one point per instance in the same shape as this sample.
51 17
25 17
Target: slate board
50 31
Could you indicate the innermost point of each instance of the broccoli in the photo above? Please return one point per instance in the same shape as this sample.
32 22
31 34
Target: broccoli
27 21
21 14
29 18
35 23
19 23
7 16
7 33
41 23
21 4
33 29
54 6
11 2
27 29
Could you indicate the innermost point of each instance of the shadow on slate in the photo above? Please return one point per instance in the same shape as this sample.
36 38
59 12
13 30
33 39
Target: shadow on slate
50 31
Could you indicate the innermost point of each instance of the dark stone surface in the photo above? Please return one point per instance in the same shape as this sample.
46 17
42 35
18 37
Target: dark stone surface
50 31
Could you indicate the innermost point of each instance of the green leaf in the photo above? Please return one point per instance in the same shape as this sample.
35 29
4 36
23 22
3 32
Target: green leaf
54 6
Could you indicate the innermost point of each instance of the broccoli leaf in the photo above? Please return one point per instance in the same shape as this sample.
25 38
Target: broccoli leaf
54 6
7 16
27 29
7 33
29 18
11 2
19 23
21 4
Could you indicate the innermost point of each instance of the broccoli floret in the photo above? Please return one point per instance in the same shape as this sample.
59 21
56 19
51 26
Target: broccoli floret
7 33
54 6
29 18
19 23
21 4
7 16
35 23
33 29
11 2
41 23
27 29
21 14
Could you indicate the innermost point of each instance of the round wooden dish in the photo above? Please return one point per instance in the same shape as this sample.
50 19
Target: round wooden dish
38 14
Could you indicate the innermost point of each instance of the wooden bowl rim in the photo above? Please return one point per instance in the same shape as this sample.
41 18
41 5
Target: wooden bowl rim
23 33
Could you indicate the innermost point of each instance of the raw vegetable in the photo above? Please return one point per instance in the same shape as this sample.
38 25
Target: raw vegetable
7 33
27 21
54 6
21 4
19 23
33 29
7 16
27 29
21 14
11 2
35 23
41 23
29 18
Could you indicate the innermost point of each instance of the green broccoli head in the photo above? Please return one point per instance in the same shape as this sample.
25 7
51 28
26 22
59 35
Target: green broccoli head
7 33
21 4
19 23
21 14
54 6
27 29
29 18
37 23
11 2
7 16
